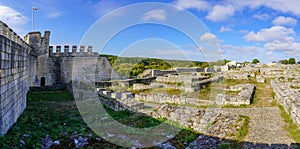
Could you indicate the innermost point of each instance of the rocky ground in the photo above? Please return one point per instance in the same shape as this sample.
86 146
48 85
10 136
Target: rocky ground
266 125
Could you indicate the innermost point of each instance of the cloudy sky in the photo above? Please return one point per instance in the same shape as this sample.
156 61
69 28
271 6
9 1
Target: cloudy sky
243 29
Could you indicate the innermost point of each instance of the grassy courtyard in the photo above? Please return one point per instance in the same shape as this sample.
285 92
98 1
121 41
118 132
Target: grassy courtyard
55 114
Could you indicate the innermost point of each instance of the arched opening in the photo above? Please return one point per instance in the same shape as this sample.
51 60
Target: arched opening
43 80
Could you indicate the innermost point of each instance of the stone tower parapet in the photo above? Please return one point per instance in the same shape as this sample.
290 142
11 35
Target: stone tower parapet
83 51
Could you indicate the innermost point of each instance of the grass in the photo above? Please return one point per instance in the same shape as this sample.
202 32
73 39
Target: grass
163 91
133 119
290 126
295 87
54 113
242 132
50 113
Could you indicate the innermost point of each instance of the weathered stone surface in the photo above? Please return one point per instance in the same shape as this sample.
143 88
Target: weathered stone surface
288 97
120 100
166 98
260 79
243 97
33 63
197 119
15 76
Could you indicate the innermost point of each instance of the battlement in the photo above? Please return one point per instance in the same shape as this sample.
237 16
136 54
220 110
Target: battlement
67 53
11 35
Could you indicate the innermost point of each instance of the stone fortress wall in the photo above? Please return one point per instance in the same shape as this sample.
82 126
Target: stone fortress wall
32 62
61 67
15 76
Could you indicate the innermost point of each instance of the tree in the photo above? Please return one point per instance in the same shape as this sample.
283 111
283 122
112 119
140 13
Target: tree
298 62
284 61
255 61
292 61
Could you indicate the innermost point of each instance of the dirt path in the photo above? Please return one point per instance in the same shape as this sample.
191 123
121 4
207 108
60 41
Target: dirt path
266 125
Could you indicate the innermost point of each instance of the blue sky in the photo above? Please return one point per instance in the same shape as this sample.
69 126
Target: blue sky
241 29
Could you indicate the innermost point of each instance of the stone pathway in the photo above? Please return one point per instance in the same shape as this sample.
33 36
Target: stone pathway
266 125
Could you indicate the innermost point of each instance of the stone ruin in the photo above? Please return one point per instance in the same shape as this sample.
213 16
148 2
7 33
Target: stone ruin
236 75
187 83
285 73
197 119
171 99
120 101
260 79
244 96
288 97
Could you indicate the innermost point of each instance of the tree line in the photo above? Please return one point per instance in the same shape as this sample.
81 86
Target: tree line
134 66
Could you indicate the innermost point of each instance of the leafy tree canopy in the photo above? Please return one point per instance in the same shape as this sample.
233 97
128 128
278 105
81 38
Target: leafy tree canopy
255 61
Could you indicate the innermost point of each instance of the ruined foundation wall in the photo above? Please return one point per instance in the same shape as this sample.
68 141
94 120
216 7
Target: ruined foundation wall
288 98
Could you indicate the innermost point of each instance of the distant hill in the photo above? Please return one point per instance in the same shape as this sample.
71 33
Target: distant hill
133 66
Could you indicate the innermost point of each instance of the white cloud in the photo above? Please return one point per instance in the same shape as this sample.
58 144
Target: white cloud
281 20
286 6
220 13
157 14
241 48
13 18
193 4
270 34
54 15
282 46
225 29
241 52
262 17
210 38
291 6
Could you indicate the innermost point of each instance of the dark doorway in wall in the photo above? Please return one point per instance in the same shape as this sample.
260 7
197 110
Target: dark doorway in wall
43 80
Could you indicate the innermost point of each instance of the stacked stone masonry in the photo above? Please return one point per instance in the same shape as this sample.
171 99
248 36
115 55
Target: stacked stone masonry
173 99
288 97
32 62
14 53
119 100
197 119
188 83
243 97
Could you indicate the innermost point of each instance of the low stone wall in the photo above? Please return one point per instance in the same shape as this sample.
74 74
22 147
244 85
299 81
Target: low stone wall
236 76
120 101
174 99
140 86
243 97
197 119
185 83
289 98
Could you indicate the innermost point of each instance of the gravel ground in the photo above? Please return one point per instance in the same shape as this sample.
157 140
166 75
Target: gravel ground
265 126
